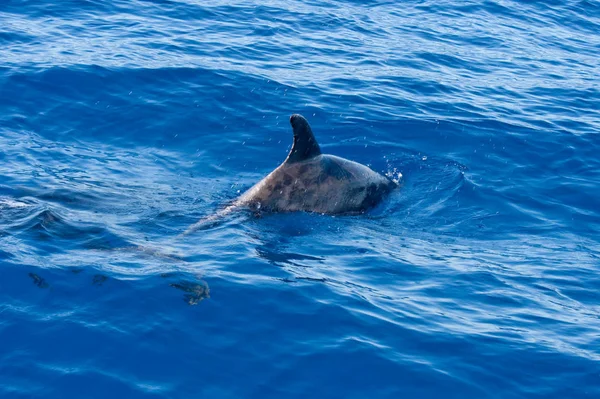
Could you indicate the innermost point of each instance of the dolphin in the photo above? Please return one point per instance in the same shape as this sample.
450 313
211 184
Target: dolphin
311 181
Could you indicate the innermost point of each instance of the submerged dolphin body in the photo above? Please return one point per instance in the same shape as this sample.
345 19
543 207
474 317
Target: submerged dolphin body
311 181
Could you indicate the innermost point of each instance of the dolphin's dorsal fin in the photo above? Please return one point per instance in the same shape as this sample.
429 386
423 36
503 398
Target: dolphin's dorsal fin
305 145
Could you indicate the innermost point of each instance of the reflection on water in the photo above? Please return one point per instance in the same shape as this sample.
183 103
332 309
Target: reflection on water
195 291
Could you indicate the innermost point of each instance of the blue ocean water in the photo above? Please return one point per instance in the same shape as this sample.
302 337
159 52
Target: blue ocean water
124 122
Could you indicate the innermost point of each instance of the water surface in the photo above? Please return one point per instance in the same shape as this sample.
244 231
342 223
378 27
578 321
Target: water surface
124 122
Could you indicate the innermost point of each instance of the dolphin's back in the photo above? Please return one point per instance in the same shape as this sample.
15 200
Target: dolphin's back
323 184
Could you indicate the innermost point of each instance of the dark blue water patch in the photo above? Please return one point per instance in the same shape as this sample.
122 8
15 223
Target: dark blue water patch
112 107
5 255
13 38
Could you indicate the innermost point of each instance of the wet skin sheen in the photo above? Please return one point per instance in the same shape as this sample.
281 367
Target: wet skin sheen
314 182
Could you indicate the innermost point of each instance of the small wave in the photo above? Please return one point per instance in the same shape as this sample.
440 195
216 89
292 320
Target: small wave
9 203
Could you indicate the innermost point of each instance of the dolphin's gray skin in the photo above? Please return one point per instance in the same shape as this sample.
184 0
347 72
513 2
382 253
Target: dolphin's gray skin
312 182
